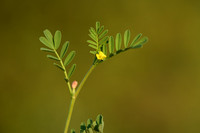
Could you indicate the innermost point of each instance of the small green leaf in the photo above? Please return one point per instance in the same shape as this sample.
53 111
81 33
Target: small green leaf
99 119
48 35
103 34
100 128
92 31
118 41
52 57
140 43
126 38
46 50
69 58
46 42
71 70
57 39
57 65
64 49
102 41
92 46
135 39
93 52
97 26
100 30
91 42
72 131
89 123
82 127
111 44
90 130
105 49
93 37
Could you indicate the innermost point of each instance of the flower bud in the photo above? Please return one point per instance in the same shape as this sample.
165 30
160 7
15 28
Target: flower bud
74 84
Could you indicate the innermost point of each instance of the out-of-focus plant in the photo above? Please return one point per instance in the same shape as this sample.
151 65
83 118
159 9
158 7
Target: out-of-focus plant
104 47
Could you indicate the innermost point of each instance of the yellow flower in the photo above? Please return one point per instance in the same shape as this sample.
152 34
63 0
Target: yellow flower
101 56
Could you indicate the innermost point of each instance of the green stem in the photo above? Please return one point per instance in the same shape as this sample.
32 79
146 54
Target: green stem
74 96
65 72
71 107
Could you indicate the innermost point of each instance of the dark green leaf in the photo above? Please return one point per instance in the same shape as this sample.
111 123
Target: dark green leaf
92 46
140 43
93 52
89 123
48 35
57 39
46 50
64 49
52 57
46 42
100 30
72 131
82 127
99 119
91 42
118 41
97 26
111 44
71 70
126 38
135 39
69 58
103 34
60 67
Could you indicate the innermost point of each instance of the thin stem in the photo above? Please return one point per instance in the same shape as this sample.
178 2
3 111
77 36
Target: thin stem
65 72
74 95
84 79
71 107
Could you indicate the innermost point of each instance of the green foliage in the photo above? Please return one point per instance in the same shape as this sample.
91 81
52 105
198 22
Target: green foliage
98 38
92 126
53 43
111 46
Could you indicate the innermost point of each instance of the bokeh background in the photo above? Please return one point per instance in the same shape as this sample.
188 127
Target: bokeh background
155 89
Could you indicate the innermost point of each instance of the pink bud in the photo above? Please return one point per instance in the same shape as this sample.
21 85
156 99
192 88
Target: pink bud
74 84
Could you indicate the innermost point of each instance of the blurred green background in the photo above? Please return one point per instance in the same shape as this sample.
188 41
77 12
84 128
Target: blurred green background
155 89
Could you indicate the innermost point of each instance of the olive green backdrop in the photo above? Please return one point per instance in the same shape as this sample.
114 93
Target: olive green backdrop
155 89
